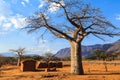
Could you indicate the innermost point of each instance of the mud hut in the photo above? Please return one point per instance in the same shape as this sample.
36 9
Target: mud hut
28 65
59 64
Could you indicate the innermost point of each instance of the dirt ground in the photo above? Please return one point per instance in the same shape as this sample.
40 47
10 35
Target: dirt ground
94 70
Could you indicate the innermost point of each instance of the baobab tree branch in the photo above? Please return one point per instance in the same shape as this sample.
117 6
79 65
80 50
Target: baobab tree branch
43 33
81 36
33 29
90 26
99 37
67 15
53 30
104 22
104 33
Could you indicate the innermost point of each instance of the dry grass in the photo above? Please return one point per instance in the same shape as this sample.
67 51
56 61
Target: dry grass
92 70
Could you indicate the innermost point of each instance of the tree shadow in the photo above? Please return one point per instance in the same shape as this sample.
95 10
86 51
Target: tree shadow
104 73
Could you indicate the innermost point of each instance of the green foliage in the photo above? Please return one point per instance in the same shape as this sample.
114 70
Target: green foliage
91 57
65 59
36 57
100 54
48 56
7 60
40 58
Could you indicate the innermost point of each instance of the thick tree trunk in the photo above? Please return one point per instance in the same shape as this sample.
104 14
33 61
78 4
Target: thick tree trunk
76 58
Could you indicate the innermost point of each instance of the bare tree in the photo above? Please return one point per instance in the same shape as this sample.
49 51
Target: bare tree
72 20
1 63
20 52
48 56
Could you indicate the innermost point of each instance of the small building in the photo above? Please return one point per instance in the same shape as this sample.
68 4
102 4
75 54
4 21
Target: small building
59 64
42 64
55 64
52 65
28 65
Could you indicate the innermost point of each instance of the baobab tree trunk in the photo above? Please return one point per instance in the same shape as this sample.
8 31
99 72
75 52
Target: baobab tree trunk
76 58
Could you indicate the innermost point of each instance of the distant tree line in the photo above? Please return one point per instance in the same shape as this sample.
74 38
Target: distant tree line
7 60
48 56
103 55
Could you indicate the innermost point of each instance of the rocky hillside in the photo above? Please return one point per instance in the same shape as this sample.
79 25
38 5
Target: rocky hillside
115 47
88 50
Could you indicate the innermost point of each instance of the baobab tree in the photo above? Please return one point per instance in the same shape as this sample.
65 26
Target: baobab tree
72 20
20 52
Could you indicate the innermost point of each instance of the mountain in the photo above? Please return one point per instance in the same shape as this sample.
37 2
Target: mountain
31 55
63 53
115 47
88 50
8 54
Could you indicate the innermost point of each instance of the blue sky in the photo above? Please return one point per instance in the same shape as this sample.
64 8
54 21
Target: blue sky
13 13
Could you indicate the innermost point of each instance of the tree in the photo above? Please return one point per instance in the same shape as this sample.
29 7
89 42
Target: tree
20 52
1 55
114 56
117 54
48 56
100 54
37 57
97 53
91 57
1 63
72 20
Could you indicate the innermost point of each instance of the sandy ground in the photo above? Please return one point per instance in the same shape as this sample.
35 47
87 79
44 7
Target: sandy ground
92 72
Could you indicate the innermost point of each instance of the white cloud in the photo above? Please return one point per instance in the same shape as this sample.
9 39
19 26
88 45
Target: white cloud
48 51
23 3
43 41
41 48
5 8
118 17
8 20
55 7
5 12
3 33
18 21
38 49
2 18
7 26
42 3
27 1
